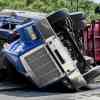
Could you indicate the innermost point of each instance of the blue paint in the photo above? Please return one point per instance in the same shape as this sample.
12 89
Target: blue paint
24 44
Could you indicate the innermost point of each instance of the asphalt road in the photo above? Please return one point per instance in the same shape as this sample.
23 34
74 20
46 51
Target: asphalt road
27 94
32 95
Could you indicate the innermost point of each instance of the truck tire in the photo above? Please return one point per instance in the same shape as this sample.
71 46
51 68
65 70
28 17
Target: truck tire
2 67
13 75
10 70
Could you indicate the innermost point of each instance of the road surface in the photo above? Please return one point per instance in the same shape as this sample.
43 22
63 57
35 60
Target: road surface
27 94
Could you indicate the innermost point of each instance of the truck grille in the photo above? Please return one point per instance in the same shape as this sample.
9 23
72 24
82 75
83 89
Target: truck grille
43 67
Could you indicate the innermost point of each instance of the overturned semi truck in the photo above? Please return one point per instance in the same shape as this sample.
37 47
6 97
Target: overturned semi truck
46 53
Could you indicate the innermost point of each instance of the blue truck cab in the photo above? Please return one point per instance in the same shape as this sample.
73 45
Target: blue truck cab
29 38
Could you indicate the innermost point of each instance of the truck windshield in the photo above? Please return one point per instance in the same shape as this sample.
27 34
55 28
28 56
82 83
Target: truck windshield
31 32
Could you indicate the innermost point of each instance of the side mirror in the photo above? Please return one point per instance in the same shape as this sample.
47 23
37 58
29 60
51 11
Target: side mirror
97 10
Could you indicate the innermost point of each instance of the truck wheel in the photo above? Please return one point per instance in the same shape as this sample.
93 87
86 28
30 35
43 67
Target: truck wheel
10 70
13 75
2 67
